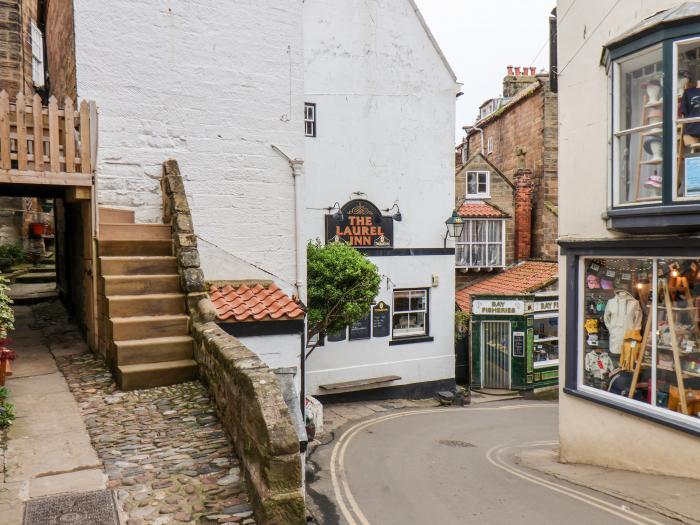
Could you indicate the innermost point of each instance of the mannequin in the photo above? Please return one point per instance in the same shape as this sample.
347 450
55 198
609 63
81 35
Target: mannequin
690 107
622 313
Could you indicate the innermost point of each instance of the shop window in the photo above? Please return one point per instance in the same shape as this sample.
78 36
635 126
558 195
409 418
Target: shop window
546 340
477 184
310 119
639 333
410 313
481 245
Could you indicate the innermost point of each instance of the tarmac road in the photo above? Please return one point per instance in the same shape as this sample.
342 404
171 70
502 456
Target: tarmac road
454 466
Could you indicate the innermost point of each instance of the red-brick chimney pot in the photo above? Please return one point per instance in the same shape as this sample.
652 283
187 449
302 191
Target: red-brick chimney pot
517 71
510 71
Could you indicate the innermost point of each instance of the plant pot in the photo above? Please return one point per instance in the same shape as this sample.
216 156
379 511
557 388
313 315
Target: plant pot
37 229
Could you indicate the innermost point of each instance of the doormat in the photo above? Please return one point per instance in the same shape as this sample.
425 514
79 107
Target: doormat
86 508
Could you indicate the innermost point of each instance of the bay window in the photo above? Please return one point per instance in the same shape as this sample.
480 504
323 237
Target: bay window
655 143
481 245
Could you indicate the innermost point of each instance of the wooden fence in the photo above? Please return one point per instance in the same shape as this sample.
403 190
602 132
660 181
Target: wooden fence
36 139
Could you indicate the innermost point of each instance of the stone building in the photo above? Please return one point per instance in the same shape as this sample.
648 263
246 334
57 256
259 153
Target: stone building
524 128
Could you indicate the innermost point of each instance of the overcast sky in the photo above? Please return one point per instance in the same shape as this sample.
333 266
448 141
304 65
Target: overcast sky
481 38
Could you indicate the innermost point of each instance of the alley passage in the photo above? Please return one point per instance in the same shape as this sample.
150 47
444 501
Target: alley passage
164 451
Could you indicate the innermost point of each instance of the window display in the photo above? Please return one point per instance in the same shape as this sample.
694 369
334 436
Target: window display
638 127
688 119
641 331
546 339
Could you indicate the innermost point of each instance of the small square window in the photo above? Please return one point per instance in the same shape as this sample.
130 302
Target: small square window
309 119
477 184
410 313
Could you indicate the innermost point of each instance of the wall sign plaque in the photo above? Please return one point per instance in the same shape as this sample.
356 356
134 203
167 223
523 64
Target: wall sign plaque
363 226
361 329
381 320
518 344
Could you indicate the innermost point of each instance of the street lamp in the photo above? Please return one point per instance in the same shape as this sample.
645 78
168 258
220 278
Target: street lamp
455 226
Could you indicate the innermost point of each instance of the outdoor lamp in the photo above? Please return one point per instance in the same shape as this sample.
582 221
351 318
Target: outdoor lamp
396 216
338 215
455 226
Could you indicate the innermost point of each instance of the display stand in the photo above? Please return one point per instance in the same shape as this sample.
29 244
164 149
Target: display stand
680 285
646 106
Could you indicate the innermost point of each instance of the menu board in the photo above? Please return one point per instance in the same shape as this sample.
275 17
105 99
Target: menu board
361 329
381 320
338 336
518 344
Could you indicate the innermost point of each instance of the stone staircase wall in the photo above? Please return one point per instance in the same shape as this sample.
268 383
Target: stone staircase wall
245 390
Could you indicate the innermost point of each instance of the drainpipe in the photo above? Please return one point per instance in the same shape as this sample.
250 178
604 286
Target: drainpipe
477 128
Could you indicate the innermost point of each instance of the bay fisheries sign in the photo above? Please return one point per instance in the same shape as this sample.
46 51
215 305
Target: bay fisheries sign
362 226
500 307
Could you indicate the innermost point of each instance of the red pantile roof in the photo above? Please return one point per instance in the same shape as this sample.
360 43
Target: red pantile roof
256 303
522 278
478 209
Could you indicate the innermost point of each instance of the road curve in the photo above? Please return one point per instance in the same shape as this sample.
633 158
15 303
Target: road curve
455 466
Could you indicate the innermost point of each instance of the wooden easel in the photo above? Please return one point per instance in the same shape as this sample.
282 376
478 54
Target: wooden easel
680 285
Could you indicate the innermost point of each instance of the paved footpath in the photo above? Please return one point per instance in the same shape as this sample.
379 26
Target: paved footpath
162 450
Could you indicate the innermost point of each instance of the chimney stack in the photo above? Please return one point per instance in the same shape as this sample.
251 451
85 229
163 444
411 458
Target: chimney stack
523 209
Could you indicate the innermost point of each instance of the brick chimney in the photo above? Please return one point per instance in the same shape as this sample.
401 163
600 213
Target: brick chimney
523 209
518 78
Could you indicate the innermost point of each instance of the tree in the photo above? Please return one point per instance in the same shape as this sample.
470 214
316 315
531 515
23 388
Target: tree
343 284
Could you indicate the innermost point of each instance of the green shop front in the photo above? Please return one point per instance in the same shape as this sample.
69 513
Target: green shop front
514 341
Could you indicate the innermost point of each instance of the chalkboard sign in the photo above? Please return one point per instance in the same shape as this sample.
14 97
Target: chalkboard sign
338 336
380 320
518 344
361 329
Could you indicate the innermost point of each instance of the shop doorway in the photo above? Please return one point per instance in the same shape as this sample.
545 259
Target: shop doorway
495 354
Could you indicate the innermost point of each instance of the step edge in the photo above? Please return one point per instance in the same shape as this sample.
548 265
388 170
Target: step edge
155 340
144 367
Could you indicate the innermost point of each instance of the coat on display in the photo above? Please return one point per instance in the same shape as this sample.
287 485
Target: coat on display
622 313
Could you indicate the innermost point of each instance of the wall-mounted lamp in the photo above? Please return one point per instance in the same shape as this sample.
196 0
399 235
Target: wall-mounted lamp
338 215
455 226
396 216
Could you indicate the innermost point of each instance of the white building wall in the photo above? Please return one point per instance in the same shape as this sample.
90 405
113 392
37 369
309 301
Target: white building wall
590 433
212 84
385 104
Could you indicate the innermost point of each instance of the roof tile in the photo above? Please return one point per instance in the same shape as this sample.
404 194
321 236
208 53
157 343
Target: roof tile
522 278
256 303
480 209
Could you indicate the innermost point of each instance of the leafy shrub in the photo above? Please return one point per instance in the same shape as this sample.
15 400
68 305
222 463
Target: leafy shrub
7 414
14 252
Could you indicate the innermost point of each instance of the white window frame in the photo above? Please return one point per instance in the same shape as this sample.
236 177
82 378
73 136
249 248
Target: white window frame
489 145
37 44
403 333
478 195
468 224
549 362
309 119
633 405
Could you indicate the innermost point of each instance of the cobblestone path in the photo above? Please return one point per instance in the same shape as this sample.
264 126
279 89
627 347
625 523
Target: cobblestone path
163 449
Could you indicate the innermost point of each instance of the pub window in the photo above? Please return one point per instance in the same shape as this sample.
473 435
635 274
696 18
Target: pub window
477 184
410 313
481 245
309 119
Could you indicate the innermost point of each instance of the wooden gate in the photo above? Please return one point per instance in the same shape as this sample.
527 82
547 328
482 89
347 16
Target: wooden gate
495 354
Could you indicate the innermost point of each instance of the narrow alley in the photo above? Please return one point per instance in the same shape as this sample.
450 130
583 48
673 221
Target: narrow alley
162 451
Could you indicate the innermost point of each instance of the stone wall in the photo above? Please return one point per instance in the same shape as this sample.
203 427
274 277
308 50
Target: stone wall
59 39
245 390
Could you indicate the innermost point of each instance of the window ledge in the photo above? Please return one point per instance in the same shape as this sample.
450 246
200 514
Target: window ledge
649 415
653 219
411 340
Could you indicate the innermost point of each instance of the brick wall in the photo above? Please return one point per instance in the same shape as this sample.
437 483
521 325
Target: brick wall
523 215
60 49
530 123
10 46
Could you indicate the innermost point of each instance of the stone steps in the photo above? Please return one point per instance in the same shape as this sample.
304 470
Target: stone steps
149 375
36 277
140 284
142 265
148 304
142 327
154 350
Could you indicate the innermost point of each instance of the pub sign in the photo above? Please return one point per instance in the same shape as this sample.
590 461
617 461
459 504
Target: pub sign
362 226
